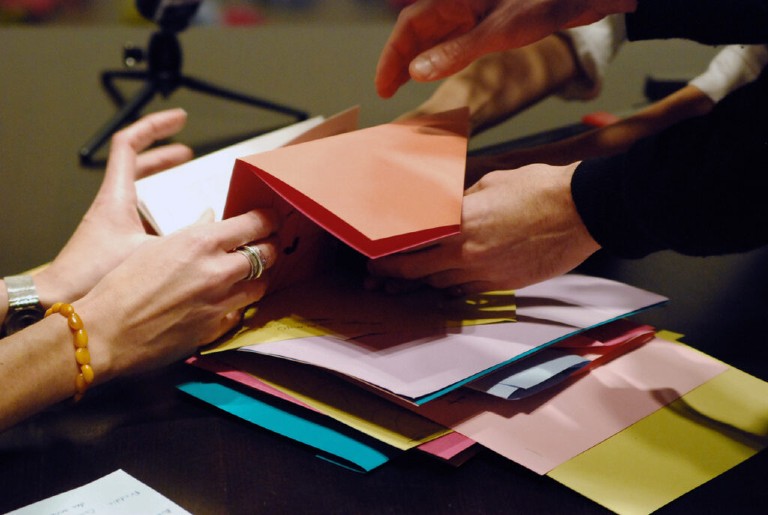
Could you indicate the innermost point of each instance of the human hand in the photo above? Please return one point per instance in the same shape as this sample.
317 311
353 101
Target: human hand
519 227
111 228
174 294
433 39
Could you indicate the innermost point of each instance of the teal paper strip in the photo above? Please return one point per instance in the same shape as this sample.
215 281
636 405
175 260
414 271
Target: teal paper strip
287 424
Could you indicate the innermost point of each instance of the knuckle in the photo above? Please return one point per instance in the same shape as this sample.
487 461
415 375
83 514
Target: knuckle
200 240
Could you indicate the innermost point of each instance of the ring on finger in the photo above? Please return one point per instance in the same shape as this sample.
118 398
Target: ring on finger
255 258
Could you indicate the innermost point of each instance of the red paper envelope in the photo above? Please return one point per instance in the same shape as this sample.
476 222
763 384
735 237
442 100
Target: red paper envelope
381 190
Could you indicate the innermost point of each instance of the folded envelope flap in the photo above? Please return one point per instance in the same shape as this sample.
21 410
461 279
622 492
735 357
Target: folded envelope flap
399 183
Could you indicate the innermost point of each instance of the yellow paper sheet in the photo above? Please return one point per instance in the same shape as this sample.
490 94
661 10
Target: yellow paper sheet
676 449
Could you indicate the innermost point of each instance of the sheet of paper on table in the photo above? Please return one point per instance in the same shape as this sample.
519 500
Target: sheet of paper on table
324 392
117 493
694 439
177 197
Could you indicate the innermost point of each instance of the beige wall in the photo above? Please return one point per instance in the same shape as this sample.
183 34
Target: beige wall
51 102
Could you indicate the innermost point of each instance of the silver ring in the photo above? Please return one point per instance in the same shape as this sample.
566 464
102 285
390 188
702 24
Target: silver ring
255 259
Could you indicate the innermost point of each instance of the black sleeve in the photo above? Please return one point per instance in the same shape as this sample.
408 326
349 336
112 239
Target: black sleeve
699 187
712 22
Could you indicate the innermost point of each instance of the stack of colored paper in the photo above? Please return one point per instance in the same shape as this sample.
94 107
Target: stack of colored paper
552 376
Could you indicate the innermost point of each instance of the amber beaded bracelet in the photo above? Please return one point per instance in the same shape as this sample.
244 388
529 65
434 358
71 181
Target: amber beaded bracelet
82 355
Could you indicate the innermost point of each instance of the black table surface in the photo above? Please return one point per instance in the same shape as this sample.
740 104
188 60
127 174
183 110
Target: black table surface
209 462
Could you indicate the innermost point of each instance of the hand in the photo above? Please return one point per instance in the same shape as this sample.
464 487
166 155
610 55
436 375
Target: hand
519 227
174 294
111 228
499 85
433 39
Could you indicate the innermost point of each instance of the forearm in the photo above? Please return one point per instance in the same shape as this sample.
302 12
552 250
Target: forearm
38 369
697 188
3 301
617 137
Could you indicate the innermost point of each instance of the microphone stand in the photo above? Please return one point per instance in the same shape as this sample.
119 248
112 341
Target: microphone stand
162 77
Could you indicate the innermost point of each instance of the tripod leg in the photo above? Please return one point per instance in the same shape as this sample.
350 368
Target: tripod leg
128 113
108 83
210 89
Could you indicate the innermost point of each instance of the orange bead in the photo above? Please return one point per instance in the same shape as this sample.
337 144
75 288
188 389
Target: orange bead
82 356
74 321
81 338
87 373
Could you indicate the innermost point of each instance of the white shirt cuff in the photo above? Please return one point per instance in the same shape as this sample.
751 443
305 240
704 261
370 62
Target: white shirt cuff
731 68
595 46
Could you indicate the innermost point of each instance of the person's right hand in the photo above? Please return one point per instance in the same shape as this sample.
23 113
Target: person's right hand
433 39
518 227
174 294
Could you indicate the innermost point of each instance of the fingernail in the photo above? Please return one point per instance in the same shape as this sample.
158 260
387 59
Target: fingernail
422 68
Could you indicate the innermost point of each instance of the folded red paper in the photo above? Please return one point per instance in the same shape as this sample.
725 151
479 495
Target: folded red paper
380 190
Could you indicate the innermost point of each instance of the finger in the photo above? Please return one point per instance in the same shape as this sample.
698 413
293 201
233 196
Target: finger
150 128
230 321
418 27
392 67
128 142
245 293
231 233
450 56
158 159
256 259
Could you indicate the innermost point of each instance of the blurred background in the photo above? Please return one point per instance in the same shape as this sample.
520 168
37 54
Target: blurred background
212 12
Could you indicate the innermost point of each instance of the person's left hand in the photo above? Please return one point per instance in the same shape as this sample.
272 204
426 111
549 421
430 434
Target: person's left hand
111 229
519 227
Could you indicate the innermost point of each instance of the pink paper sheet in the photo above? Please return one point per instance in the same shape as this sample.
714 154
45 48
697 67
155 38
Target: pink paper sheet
547 430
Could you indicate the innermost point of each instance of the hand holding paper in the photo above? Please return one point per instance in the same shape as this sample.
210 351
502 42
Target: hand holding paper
380 190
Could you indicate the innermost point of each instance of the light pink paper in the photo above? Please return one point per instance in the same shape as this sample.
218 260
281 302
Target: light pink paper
546 430
417 365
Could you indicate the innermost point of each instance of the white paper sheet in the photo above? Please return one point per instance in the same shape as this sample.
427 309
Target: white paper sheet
117 493
177 197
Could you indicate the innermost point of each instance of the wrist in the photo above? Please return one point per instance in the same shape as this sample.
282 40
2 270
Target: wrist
103 332
584 239
53 286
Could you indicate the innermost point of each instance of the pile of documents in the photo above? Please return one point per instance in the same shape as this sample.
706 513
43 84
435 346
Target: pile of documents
553 376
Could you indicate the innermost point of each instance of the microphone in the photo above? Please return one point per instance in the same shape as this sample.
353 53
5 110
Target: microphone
173 15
